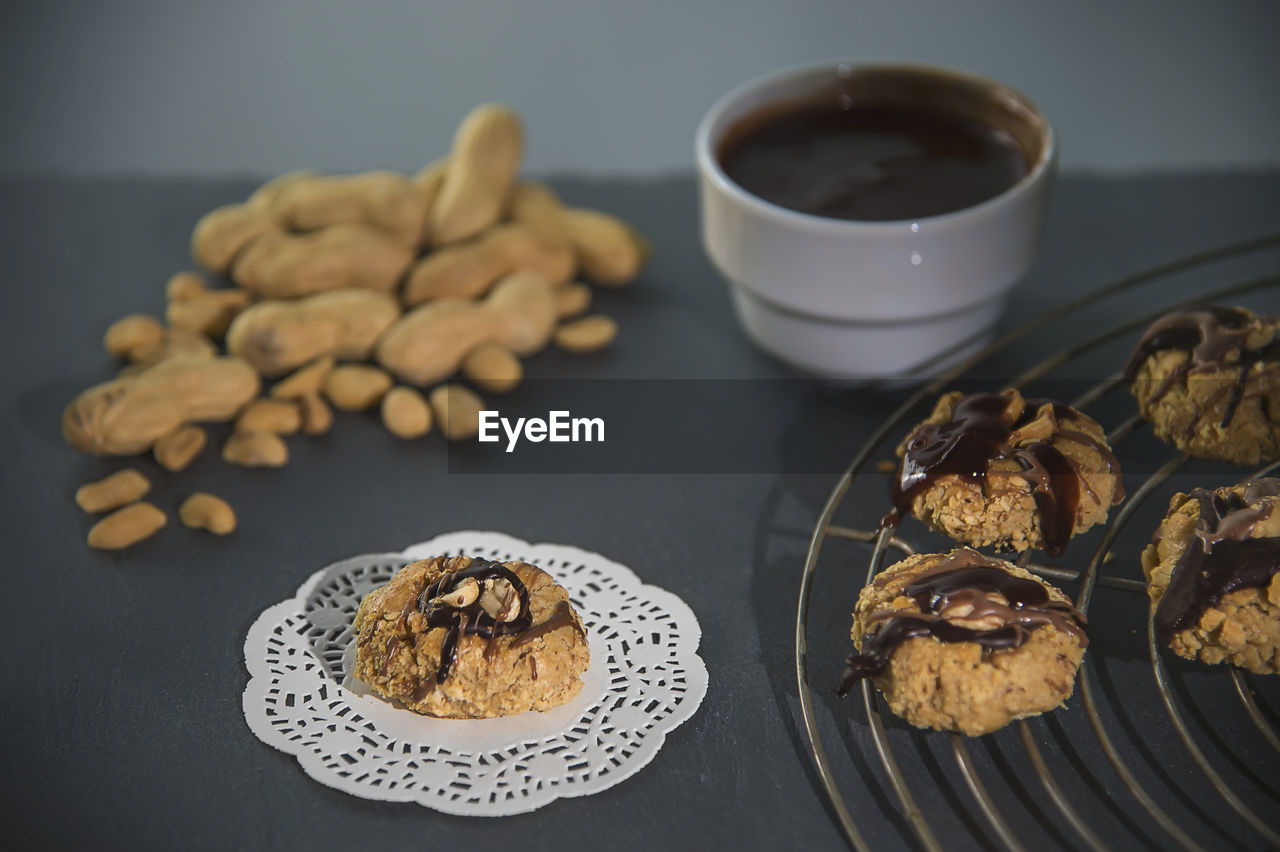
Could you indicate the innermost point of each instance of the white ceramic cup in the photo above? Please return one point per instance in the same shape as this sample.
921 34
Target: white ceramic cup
878 299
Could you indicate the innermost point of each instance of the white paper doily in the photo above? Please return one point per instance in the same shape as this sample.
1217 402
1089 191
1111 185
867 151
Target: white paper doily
644 680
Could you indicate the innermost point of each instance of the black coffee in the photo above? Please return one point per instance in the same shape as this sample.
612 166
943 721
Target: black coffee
870 163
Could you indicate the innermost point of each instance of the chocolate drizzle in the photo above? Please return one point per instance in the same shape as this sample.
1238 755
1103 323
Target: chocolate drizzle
978 433
392 648
562 616
425 688
402 623
470 620
965 586
1208 336
1222 558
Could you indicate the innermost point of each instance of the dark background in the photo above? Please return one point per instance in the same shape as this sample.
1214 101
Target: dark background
120 709
606 87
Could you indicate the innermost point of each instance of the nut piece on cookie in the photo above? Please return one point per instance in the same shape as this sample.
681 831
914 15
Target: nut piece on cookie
962 642
1001 470
1209 382
1212 570
466 638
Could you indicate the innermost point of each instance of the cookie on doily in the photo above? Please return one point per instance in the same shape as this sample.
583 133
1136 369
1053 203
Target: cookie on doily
1213 574
462 637
644 679
958 641
1001 470
1209 382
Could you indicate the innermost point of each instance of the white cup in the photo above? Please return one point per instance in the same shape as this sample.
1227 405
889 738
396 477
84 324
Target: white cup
877 299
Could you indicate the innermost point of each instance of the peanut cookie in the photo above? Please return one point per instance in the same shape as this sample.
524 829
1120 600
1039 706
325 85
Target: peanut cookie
1001 470
1209 382
461 637
1213 574
961 642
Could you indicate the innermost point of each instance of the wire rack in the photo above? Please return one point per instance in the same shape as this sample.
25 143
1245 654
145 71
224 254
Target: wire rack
995 823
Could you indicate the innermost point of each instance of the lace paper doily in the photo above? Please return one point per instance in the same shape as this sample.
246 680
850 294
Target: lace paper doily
644 680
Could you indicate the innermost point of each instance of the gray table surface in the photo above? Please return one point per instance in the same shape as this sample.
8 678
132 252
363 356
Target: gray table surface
120 711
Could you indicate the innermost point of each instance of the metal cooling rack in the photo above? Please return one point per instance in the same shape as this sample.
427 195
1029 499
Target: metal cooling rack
995 818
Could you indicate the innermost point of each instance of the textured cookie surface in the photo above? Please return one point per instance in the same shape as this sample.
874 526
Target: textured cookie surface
403 646
1209 382
1212 575
958 641
1001 470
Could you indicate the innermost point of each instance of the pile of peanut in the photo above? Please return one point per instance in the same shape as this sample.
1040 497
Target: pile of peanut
349 292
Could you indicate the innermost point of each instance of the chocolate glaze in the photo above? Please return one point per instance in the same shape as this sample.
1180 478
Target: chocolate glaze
976 435
1208 336
962 586
562 616
470 620
1223 558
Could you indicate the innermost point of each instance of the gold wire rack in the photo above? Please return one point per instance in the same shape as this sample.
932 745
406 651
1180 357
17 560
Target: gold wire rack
1090 577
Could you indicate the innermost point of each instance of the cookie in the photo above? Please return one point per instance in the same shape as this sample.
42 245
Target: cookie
962 642
1001 470
466 638
1213 575
1209 382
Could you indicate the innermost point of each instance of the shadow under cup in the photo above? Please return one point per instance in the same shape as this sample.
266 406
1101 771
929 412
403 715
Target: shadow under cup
865 300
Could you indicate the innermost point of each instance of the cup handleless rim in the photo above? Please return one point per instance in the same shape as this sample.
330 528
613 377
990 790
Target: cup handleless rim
709 163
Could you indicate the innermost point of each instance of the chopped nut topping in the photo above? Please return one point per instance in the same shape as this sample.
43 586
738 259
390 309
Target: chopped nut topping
462 595
500 601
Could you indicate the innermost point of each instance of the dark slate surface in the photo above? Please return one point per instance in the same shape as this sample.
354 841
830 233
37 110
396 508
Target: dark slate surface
120 711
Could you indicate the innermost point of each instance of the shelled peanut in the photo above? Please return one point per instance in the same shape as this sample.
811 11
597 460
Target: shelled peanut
176 450
356 387
305 381
493 367
277 416
457 410
126 527
118 489
255 449
405 413
317 416
587 334
193 306
202 511
131 334
572 299
143 339
457 271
